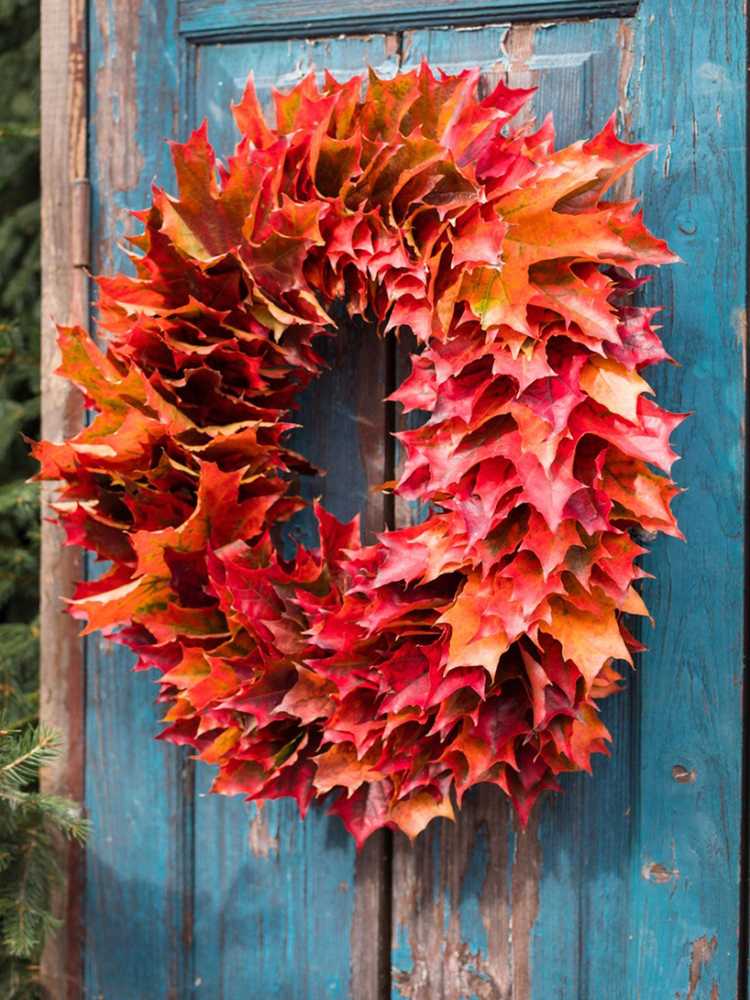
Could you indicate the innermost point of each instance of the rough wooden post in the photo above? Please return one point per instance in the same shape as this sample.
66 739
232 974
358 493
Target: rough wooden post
64 300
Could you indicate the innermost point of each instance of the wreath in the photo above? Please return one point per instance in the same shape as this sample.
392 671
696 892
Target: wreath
473 646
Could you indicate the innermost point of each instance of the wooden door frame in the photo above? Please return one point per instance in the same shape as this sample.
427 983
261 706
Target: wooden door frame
66 297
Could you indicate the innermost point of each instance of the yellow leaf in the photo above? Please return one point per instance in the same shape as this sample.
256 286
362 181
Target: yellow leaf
614 386
221 746
413 814
634 604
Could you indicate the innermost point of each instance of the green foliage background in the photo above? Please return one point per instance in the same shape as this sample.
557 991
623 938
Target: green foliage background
29 821
19 355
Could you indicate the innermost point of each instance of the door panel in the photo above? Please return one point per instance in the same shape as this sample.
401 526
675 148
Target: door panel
623 887
137 906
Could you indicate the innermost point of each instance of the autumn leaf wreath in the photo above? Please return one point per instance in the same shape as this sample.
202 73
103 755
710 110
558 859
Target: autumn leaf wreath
473 646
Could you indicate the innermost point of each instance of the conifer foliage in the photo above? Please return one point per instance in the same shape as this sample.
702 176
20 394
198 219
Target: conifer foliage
29 821
19 354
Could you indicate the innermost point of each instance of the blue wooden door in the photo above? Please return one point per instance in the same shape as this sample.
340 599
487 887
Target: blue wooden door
626 887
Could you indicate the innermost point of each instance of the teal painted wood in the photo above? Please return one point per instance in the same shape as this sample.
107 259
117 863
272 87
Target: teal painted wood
685 922
139 857
656 888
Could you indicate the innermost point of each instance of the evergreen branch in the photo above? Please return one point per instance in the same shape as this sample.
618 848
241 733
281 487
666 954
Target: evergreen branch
22 755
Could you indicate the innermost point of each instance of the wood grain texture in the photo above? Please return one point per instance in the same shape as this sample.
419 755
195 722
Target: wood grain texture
266 19
64 298
453 888
585 834
139 858
645 864
453 904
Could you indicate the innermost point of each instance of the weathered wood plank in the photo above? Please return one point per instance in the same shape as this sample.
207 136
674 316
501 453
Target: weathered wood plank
453 895
685 862
578 939
286 909
139 859
452 906
64 298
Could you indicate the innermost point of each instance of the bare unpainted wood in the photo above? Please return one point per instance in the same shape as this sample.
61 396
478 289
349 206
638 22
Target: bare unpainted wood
117 123
65 300
370 936
519 49
701 953
527 865
370 933
434 878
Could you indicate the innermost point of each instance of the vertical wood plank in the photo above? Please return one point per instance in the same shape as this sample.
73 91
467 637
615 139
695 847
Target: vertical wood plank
579 940
286 909
64 297
455 887
453 902
685 862
139 858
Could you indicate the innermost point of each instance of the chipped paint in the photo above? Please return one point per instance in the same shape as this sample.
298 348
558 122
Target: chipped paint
469 977
117 121
627 55
518 51
391 46
494 906
667 160
701 953
654 871
452 928
519 46
260 840
368 937
624 74
682 775
738 319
